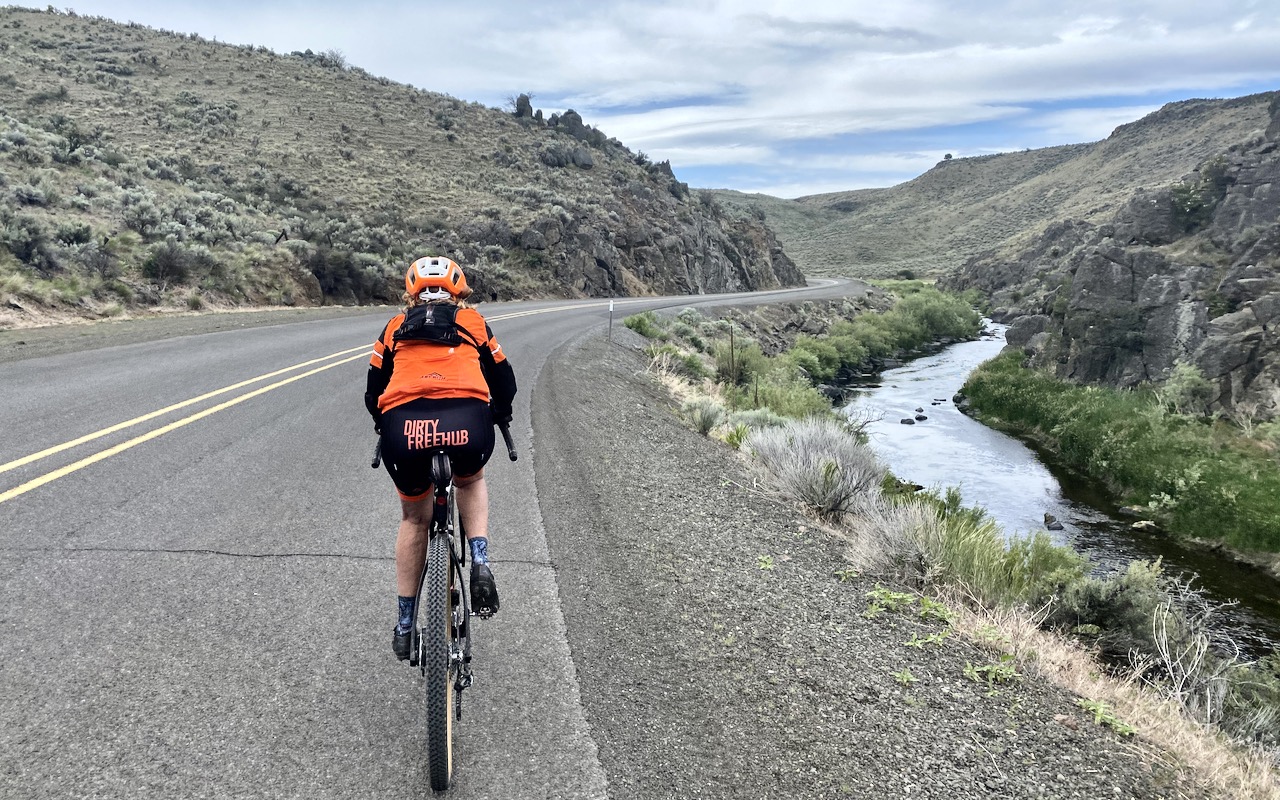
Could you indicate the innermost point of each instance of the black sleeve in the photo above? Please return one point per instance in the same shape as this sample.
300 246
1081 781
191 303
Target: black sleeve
376 383
500 376
502 385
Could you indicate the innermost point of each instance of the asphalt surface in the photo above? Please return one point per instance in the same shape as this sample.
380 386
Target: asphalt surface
198 604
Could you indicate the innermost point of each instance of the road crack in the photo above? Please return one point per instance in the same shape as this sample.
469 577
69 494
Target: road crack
195 551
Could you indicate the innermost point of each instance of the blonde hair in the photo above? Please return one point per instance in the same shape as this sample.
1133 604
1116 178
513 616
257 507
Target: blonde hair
412 300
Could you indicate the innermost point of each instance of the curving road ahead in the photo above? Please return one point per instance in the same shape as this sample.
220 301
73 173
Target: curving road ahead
196 576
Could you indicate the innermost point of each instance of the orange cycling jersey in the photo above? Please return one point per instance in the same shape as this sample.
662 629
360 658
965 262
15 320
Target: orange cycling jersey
431 370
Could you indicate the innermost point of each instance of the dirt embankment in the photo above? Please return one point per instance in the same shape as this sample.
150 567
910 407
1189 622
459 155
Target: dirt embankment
721 655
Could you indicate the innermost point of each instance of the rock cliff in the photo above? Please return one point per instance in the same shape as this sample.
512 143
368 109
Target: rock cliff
1182 274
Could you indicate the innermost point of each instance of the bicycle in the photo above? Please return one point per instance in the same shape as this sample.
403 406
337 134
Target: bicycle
441 646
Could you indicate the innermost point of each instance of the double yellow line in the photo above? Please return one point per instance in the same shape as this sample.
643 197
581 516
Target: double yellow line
49 477
36 483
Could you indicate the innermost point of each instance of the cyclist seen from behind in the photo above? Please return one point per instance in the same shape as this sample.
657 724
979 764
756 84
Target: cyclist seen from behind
437 378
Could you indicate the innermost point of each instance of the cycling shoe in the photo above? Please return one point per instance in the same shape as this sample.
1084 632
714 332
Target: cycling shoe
484 591
402 643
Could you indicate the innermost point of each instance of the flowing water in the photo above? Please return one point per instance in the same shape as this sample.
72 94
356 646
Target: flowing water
1018 486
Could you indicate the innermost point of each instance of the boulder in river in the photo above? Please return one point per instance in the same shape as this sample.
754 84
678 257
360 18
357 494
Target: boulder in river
907 421
1146 526
920 417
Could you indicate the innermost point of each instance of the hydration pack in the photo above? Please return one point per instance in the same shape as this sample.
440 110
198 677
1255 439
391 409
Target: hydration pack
432 322
437 322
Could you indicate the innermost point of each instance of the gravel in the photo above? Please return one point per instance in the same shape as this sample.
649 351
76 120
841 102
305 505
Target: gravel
720 655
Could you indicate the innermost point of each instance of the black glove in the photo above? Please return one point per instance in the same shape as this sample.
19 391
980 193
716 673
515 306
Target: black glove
501 415
377 424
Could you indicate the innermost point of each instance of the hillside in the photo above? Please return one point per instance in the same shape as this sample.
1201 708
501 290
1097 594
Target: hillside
965 206
141 167
1186 274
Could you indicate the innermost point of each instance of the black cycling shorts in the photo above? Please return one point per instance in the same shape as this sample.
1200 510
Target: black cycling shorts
411 432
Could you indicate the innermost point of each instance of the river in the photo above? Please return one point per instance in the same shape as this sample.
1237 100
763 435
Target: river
1018 486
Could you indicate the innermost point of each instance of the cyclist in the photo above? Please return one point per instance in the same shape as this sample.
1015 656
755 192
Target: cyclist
437 378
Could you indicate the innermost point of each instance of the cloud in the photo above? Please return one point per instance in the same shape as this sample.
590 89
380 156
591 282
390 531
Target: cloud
1085 124
718 83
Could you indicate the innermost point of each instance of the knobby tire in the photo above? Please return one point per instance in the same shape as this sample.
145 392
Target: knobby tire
437 619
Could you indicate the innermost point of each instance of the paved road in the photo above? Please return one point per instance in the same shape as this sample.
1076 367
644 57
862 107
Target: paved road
198 604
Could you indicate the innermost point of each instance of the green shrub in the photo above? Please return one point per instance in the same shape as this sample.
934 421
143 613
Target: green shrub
801 361
756 418
825 358
817 462
691 317
28 195
691 366
1039 569
1252 705
73 233
29 242
740 363
704 414
1120 607
167 262
646 324
737 435
1186 391
120 289
687 365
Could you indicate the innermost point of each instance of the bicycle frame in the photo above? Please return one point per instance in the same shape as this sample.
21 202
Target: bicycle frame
445 521
443 654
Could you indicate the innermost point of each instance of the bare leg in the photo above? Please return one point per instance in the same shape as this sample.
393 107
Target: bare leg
411 545
473 507
473 504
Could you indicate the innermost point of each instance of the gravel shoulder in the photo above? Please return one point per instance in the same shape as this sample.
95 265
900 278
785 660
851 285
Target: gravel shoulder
706 675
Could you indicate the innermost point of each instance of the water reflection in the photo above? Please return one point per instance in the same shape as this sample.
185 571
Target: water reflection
1019 486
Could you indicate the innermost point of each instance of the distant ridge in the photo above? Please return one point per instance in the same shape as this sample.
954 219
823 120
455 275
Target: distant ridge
964 206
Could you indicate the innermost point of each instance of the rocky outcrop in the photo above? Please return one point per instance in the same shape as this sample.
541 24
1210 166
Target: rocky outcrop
1182 274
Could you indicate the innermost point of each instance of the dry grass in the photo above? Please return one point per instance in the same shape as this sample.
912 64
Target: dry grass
665 370
1229 769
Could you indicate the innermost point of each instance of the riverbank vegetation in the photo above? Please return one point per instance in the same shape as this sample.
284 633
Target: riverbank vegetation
1165 669
787 383
1155 449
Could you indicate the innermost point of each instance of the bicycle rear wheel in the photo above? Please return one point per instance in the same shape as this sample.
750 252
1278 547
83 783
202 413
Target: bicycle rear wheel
438 665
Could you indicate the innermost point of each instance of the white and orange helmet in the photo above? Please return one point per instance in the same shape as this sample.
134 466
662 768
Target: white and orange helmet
436 278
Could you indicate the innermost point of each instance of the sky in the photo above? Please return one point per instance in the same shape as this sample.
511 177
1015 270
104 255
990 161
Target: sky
783 98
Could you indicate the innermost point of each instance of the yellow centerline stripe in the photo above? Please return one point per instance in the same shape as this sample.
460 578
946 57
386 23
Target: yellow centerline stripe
149 435
89 437
119 426
146 437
